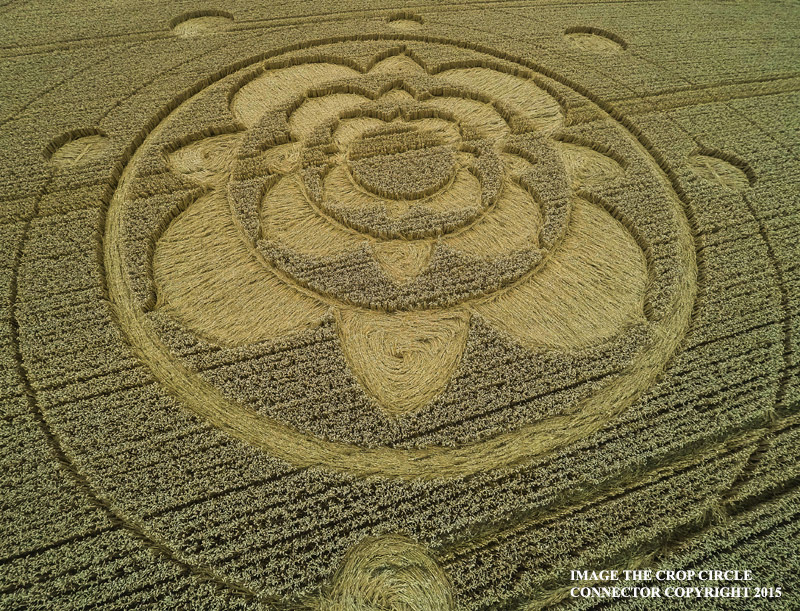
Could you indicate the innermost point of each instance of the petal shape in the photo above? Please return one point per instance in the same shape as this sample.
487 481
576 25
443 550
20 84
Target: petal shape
402 65
513 224
352 129
314 112
289 219
277 89
591 288
588 168
211 282
207 161
403 359
518 95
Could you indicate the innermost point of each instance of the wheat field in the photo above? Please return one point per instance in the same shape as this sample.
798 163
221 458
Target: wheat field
390 306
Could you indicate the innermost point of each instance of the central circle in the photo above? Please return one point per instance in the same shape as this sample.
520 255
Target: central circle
402 173
402 162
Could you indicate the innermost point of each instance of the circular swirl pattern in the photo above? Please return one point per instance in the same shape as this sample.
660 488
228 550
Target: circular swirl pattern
389 572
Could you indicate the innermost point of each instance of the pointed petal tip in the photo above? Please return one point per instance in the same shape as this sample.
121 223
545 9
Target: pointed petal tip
404 360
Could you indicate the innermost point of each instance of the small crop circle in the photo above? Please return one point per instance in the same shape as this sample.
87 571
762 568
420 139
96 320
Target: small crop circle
201 23
594 40
405 21
77 148
723 169
390 572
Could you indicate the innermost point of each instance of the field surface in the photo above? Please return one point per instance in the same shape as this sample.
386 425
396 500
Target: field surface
411 307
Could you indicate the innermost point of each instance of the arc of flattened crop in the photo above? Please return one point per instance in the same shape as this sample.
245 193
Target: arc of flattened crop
286 87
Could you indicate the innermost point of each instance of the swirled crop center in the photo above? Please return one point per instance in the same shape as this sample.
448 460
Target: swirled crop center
369 243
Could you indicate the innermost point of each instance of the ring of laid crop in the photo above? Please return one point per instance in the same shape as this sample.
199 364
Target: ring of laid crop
305 450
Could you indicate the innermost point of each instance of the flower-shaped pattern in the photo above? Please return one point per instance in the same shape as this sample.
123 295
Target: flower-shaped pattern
402 203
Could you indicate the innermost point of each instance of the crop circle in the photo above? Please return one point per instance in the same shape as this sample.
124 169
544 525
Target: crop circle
395 258
77 148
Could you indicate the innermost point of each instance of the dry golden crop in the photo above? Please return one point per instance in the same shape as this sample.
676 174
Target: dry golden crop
351 307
